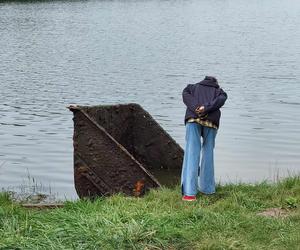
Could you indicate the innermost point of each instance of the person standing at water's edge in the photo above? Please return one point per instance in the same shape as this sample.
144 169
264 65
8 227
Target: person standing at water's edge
203 101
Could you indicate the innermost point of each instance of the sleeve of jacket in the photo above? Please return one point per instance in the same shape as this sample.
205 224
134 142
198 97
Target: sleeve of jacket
217 103
188 98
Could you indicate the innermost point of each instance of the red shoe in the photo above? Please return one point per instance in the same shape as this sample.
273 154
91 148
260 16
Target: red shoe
189 198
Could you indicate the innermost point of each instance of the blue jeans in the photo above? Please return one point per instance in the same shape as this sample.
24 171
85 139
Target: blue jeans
196 177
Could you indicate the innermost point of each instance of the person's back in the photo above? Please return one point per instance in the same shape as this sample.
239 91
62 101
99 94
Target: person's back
208 94
203 101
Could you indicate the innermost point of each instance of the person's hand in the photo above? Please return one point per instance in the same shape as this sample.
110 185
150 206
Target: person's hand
200 110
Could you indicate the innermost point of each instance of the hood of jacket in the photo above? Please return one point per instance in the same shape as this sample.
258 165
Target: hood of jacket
210 81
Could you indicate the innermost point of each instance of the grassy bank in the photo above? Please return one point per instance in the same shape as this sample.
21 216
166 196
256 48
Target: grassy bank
160 220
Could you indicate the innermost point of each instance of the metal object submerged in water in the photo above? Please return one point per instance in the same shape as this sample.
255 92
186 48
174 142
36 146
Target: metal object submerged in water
122 149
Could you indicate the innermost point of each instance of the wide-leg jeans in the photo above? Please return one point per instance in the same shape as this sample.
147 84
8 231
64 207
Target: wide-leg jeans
200 140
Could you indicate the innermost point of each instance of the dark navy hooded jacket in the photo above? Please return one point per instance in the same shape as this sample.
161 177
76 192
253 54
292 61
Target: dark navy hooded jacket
206 93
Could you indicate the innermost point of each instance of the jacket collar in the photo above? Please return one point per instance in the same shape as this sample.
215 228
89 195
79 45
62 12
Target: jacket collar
210 81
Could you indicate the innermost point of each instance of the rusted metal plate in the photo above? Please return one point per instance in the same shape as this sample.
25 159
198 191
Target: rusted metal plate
121 148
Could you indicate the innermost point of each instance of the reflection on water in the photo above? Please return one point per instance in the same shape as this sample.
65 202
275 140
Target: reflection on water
96 52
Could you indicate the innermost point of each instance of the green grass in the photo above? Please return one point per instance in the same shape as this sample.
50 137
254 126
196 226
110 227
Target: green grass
160 220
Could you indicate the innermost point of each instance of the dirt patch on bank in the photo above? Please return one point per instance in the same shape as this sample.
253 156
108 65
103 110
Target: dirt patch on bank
275 213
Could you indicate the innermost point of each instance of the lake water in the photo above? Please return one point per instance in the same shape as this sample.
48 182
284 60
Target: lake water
105 52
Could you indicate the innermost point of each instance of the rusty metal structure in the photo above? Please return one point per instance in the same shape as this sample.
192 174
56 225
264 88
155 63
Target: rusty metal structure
122 149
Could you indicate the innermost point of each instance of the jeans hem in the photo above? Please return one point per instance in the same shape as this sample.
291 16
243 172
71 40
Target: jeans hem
189 194
207 193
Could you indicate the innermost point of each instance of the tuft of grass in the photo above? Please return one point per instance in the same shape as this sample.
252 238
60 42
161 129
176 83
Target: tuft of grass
160 220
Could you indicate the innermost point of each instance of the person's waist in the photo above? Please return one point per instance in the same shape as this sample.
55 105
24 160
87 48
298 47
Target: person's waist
203 122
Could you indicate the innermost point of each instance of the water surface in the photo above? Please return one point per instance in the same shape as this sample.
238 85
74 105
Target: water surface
105 52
